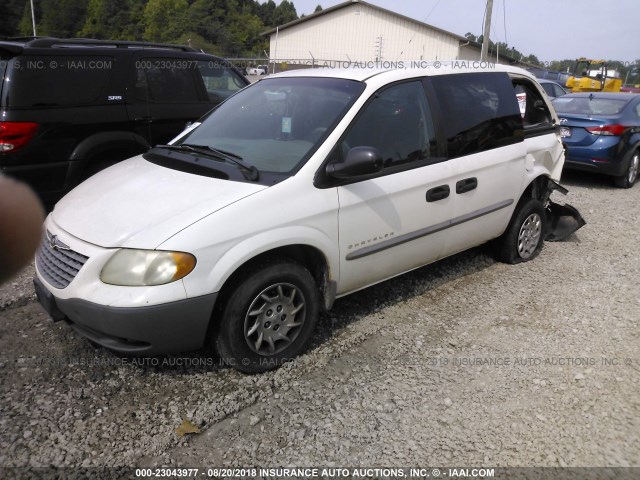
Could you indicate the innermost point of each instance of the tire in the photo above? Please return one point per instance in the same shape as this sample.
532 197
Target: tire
524 237
268 318
631 175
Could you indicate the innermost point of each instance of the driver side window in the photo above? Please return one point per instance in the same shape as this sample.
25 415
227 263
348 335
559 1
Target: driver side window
398 123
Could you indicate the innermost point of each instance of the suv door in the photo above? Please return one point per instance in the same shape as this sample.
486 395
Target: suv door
393 223
483 130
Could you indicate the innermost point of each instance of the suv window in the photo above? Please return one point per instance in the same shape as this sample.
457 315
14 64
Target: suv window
220 80
171 80
57 80
479 110
166 80
398 123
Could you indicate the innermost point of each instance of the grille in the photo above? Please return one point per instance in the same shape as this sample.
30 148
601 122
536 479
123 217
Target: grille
57 263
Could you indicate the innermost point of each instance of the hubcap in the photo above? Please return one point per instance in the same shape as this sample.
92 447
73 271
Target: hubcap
633 168
529 235
274 319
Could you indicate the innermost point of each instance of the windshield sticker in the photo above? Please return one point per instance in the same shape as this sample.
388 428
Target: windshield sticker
286 124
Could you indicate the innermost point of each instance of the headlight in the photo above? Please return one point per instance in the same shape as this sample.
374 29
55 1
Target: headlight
139 268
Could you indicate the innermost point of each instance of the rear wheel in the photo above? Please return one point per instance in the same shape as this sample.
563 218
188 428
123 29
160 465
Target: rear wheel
268 318
629 178
524 237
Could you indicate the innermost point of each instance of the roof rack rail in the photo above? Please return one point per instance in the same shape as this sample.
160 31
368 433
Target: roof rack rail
17 39
47 42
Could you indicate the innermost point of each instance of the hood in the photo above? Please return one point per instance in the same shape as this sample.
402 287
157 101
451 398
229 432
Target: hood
138 204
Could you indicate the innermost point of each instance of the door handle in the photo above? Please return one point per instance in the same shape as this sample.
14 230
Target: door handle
438 193
466 185
144 119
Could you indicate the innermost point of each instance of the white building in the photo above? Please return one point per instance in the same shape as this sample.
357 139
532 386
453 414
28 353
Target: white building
357 31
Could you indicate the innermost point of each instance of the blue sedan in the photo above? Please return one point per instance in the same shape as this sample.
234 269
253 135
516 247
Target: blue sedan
601 132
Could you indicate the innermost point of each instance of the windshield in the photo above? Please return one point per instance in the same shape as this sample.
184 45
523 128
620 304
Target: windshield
570 104
276 124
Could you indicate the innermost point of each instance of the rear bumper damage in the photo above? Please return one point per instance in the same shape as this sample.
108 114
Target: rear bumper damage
562 220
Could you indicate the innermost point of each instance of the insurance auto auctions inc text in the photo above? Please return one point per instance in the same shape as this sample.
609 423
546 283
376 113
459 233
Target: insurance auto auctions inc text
332 473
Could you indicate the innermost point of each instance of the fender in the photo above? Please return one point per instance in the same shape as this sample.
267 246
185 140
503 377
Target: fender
100 143
241 253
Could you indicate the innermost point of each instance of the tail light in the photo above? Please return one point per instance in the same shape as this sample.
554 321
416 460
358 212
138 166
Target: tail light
15 135
607 130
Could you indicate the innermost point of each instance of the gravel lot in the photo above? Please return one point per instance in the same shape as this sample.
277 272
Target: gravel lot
466 362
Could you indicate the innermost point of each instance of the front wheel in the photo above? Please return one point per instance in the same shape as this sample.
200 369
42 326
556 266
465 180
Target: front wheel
629 178
523 239
269 317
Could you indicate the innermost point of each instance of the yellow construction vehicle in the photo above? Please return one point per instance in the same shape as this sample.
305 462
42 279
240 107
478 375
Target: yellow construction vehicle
593 76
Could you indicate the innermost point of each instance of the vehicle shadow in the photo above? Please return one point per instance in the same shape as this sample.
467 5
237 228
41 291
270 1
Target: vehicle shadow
577 178
352 308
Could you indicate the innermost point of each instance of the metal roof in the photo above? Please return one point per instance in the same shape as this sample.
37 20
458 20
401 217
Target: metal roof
340 6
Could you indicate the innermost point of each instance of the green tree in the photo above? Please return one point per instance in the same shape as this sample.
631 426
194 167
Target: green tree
244 36
267 12
10 15
164 20
194 40
471 37
207 19
318 9
112 19
62 18
532 59
284 13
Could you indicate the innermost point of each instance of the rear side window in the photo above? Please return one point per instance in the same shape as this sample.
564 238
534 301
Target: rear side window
168 80
479 110
57 80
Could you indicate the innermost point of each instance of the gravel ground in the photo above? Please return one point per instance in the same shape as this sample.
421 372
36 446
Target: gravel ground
467 362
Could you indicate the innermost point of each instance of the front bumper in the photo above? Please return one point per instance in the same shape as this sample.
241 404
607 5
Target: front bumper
158 329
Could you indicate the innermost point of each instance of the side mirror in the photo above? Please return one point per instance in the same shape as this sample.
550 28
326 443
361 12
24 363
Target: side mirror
360 161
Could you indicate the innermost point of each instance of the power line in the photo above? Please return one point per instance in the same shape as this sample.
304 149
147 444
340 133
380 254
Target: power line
423 21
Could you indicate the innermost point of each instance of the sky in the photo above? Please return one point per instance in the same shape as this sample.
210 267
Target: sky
549 29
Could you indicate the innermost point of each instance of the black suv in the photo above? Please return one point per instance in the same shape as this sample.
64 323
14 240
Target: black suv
69 108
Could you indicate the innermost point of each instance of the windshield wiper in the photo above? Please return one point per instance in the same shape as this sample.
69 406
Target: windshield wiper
254 173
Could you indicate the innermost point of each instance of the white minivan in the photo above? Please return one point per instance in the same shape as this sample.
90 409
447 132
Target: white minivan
301 188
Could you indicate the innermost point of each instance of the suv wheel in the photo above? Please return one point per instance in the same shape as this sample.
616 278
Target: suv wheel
524 236
629 178
269 317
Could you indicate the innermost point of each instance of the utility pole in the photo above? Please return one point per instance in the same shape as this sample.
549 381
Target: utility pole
487 29
33 19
